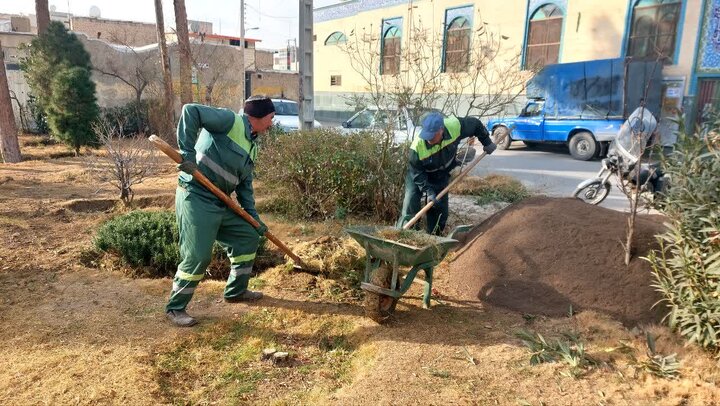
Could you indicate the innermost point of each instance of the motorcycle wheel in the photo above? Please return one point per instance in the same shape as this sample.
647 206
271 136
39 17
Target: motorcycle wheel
594 192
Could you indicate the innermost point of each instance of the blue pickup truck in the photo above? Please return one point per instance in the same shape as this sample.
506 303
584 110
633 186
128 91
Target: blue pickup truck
582 104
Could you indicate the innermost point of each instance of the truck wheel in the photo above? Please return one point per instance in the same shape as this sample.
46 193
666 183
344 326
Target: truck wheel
497 132
583 146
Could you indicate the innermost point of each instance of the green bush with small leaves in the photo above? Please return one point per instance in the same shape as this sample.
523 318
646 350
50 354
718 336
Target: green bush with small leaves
323 173
686 268
147 242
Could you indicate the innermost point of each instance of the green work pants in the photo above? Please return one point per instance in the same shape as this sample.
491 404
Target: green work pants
436 217
202 221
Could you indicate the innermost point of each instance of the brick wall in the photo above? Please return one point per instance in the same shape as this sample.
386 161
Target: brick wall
116 31
264 59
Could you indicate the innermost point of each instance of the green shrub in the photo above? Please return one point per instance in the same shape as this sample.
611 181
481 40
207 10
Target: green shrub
687 266
147 241
133 115
323 173
38 115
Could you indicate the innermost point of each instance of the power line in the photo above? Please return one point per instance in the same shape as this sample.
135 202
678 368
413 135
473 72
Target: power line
268 15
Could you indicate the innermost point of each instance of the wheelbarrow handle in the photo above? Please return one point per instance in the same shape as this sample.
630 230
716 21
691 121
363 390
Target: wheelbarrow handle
462 174
200 178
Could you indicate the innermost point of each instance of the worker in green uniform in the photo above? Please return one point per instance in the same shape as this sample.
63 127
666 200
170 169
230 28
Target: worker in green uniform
432 157
221 145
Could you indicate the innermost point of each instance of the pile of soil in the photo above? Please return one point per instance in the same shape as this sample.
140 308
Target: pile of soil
544 255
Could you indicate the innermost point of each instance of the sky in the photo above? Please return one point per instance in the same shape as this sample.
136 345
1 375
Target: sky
276 20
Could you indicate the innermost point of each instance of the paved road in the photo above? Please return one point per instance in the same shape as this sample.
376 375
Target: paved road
548 170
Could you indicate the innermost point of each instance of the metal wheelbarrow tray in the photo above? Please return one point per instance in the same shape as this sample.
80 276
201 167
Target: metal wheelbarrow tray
383 282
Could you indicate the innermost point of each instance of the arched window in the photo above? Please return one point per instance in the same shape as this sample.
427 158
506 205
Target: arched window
544 33
457 45
336 38
654 29
391 51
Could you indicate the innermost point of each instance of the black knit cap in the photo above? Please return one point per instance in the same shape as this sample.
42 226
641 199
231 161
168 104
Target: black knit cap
258 106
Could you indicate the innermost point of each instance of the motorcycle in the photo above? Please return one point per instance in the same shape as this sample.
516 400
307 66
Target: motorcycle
623 155
653 182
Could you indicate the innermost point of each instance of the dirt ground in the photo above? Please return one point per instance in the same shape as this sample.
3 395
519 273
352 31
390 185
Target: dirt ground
78 334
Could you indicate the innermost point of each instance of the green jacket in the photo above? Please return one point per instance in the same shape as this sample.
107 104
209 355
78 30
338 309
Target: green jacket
222 145
430 165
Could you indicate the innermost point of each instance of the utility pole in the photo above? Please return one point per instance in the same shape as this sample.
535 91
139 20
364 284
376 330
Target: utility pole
305 60
242 49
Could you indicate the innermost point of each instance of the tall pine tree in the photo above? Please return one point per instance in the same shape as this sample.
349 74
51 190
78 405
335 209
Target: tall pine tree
58 71
72 108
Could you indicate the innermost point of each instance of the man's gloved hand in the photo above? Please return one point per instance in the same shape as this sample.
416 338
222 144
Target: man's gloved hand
188 167
490 148
432 196
262 229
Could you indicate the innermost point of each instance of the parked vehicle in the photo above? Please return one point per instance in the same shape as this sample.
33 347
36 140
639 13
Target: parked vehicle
287 116
373 118
583 104
623 156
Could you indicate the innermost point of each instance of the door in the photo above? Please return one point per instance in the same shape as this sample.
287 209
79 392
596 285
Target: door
708 99
529 125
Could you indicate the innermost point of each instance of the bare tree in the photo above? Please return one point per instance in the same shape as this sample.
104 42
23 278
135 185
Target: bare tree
8 129
134 67
128 161
633 188
168 96
489 81
181 26
43 16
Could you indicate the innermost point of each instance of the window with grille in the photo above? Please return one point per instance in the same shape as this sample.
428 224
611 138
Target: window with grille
457 45
336 38
544 33
653 30
391 51
335 80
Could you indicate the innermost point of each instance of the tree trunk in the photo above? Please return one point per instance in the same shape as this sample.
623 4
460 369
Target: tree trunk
168 96
138 111
43 15
181 25
8 130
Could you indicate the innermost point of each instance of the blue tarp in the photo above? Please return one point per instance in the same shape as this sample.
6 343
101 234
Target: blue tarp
595 89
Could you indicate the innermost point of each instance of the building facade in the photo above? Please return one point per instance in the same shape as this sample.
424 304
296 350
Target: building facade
683 34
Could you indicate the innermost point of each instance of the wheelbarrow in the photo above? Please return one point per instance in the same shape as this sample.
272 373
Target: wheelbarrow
383 282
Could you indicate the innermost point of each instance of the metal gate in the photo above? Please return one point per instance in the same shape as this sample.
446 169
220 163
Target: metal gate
708 100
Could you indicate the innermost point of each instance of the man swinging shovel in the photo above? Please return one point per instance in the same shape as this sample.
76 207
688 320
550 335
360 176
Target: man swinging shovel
432 158
220 145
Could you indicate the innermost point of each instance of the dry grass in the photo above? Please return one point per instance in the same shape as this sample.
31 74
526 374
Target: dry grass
78 335
413 238
221 363
331 255
492 188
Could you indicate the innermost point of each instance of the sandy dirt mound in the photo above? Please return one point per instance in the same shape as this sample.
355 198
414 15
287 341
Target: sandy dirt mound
544 255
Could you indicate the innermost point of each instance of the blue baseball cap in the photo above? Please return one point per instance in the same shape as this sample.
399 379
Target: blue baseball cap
430 125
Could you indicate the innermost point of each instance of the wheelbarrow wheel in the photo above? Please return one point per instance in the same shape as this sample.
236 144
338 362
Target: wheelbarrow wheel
380 307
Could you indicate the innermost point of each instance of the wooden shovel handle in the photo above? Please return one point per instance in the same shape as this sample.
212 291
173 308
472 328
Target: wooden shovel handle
462 174
200 178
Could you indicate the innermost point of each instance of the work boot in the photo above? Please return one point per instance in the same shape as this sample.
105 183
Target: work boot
180 318
247 296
